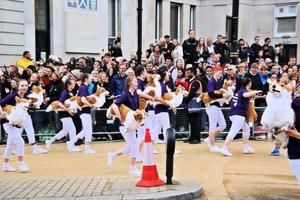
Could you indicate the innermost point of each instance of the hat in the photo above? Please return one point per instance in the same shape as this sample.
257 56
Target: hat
268 60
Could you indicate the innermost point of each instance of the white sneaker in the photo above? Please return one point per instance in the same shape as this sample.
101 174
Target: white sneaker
110 159
177 151
225 152
214 149
74 149
207 141
159 142
7 168
155 151
248 150
38 150
135 172
23 168
48 144
88 150
70 146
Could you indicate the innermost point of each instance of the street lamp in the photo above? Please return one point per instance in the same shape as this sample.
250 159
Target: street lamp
140 23
234 31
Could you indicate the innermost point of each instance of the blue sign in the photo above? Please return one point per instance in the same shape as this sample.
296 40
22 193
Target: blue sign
91 5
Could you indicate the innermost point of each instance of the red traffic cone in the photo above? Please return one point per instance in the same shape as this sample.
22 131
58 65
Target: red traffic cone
149 175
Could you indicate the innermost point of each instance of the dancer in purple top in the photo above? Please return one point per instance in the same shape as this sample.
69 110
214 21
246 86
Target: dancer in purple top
238 112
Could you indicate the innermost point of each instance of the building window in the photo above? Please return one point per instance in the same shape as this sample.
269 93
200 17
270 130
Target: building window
158 13
175 21
192 17
113 20
285 20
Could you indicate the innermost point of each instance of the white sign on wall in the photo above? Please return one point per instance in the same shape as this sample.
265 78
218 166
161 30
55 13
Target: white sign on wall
88 5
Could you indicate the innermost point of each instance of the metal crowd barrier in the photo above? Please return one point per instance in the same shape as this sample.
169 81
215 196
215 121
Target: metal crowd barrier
47 124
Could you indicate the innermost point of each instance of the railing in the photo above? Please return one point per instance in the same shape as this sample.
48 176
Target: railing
47 124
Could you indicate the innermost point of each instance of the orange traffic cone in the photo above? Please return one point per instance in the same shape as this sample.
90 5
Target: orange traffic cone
149 176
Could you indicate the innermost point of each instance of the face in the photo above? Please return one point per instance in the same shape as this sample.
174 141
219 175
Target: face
209 72
13 84
218 74
273 77
134 84
257 40
179 64
179 74
168 62
71 86
33 77
175 42
157 49
192 34
82 62
254 70
293 61
23 86
88 80
209 41
122 69
201 41
103 78
28 56
95 74
188 74
230 70
216 58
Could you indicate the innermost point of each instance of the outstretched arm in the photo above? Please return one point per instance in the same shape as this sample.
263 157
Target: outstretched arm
293 133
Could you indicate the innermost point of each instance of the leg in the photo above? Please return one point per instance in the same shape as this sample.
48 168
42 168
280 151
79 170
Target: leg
237 123
194 119
212 119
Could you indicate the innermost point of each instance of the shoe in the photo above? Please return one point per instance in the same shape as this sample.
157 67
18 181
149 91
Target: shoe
88 150
70 146
110 159
155 151
7 168
225 152
195 142
160 142
177 151
38 150
48 144
139 159
214 149
248 150
187 141
74 149
23 168
275 152
135 172
207 141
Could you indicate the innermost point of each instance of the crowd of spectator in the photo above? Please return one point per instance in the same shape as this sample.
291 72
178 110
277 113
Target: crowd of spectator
262 63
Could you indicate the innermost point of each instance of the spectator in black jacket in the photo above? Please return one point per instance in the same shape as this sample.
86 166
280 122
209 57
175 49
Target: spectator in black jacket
268 50
202 51
255 50
116 50
256 83
243 50
189 48
222 49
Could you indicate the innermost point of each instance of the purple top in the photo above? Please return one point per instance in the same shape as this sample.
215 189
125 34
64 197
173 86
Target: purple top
213 85
10 99
141 84
83 91
162 108
129 100
239 104
64 96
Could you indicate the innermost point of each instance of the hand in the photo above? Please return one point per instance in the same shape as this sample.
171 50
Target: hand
226 95
259 92
71 113
174 110
46 99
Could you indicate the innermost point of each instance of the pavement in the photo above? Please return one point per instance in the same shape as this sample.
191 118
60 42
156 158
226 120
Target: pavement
62 175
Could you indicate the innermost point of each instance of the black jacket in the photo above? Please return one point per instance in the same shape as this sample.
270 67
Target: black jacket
54 89
254 52
189 50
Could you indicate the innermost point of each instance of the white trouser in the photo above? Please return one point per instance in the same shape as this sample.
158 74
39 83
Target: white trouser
132 144
163 122
216 118
238 123
14 139
28 127
67 127
295 165
151 124
87 129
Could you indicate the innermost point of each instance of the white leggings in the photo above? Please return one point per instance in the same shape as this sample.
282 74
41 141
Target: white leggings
87 129
132 144
14 139
67 127
295 165
238 123
216 118
163 122
151 123
28 127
